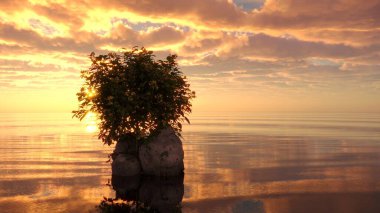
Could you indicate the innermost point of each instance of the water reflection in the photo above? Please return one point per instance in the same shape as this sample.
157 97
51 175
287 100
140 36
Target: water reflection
49 163
248 206
144 194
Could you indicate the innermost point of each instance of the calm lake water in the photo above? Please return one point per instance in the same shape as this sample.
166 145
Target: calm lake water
242 163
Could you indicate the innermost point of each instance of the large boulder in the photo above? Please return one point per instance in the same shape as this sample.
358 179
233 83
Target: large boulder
163 155
125 165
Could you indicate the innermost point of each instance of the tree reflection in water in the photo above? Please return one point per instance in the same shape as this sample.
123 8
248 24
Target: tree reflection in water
144 194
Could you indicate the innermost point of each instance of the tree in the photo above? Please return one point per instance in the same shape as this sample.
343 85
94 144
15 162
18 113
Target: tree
134 95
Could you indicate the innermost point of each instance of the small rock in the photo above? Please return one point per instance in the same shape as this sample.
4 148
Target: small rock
125 165
125 147
120 148
163 155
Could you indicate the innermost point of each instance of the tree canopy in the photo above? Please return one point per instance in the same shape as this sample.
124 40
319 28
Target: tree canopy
134 95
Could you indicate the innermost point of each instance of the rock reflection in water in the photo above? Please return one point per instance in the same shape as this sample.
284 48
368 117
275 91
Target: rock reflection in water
144 194
248 206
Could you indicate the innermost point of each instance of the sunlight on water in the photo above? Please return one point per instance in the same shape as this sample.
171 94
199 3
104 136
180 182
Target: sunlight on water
91 128
276 163
90 121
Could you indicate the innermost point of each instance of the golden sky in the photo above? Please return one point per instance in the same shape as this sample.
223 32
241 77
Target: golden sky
239 55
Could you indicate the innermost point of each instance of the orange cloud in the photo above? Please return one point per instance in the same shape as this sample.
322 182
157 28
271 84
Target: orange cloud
288 47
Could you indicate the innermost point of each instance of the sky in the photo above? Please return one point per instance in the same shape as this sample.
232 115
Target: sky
239 56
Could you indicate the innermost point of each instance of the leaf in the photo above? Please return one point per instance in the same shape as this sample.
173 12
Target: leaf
82 116
187 120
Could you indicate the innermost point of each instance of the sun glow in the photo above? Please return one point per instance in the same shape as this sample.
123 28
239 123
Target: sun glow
90 93
90 122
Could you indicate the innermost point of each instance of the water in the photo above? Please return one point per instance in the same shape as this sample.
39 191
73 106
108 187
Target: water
235 163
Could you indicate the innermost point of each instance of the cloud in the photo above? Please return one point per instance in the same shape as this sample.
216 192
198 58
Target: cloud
297 14
348 37
31 38
244 44
20 65
263 45
87 42
200 46
59 13
10 5
212 12
163 35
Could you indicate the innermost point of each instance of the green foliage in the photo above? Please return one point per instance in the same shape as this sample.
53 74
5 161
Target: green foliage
134 95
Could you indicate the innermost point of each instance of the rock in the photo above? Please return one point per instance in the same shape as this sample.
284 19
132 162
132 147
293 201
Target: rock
121 148
125 165
163 155
125 147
